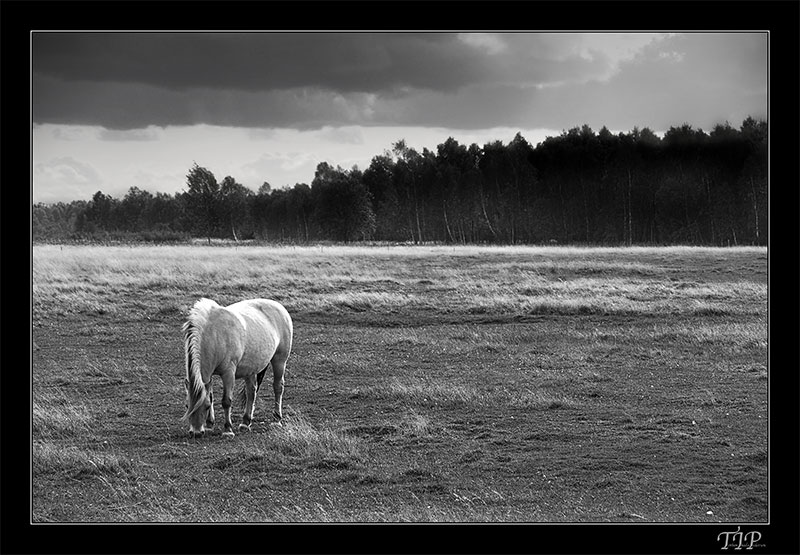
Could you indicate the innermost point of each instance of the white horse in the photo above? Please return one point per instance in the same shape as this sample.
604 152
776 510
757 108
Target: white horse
236 341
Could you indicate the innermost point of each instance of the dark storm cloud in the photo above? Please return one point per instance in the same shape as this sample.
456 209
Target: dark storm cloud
310 80
134 105
136 79
345 62
125 80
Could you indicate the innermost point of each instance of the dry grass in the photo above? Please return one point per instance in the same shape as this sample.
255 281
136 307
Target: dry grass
539 400
295 439
361 301
430 392
60 428
300 438
49 457
436 384
470 280
55 416
414 424
423 392
730 337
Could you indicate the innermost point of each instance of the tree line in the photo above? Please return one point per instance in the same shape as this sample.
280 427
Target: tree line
689 187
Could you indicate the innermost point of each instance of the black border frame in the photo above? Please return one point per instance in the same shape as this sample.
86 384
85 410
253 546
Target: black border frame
780 18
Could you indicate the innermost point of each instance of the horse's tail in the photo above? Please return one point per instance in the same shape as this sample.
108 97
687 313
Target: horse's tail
241 397
192 334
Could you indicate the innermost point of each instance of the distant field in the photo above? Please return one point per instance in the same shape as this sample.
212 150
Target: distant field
535 384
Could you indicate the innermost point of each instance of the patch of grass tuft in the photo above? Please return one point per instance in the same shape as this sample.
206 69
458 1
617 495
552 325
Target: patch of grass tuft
415 424
298 437
49 457
55 416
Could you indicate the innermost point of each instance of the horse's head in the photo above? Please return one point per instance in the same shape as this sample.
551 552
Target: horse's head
199 409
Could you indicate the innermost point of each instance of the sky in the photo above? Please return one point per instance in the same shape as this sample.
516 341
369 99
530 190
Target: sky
111 111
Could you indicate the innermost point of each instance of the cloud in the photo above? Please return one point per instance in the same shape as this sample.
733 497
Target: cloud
147 134
268 166
615 48
261 134
492 43
70 133
698 78
98 103
64 177
463 81
68 171
702 79
348 135
154 181
346 62
301 80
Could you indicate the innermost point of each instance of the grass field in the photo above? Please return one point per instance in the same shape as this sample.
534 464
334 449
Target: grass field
427 384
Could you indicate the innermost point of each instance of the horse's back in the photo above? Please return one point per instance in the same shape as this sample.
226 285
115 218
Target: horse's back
266 310
268 307
268 328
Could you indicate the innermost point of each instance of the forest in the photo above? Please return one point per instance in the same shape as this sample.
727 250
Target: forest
688 187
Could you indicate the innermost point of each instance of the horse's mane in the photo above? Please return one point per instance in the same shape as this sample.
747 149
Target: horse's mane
192 334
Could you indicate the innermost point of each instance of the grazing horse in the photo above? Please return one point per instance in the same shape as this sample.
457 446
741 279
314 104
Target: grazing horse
236 341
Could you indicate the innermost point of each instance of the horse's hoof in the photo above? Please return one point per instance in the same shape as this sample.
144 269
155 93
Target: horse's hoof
244 428
227 434
278 423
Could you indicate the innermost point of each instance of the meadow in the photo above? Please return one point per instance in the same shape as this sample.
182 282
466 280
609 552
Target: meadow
426 384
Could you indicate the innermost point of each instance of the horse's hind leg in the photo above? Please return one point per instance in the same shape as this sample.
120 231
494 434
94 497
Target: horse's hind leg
260 377
278 369
228 380
250 395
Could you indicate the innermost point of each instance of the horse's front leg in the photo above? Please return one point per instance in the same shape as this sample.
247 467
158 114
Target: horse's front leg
228 380
250 395
210 417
